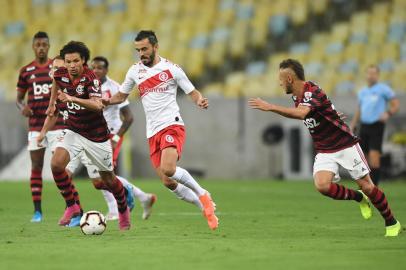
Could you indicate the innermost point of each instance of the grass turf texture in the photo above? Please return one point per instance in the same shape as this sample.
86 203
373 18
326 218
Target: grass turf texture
263 225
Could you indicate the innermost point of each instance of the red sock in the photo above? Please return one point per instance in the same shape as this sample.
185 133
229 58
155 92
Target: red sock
36 188
378 199
65 186
118 191
339 192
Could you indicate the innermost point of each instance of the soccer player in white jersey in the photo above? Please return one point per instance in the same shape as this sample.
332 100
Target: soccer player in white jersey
157 80
118 128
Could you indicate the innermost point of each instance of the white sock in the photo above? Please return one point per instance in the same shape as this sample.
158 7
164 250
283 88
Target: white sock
186 194
182 176
111 201
138 193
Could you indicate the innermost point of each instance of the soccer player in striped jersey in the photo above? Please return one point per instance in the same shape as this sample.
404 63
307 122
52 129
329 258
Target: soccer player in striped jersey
334 142
118 128
35 82
86 132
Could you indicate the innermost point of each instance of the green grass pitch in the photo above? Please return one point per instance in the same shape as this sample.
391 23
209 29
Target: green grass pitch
263 225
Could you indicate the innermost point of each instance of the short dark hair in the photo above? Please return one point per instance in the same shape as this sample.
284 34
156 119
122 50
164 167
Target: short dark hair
76 47
375 67
102 59
150 35
58 57
40 34
295 65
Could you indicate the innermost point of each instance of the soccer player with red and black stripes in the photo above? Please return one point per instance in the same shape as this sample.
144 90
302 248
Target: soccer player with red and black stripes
86 130
334 142
35 82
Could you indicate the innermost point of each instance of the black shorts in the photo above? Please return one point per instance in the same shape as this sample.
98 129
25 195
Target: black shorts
371 136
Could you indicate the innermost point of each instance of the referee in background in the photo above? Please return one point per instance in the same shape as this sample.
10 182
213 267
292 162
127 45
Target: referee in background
373 111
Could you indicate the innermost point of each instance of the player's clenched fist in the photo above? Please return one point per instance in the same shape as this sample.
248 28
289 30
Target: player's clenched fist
63 97
203 103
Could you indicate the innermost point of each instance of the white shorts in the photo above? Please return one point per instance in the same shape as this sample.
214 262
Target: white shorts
352 159
82 159
99 153
49 140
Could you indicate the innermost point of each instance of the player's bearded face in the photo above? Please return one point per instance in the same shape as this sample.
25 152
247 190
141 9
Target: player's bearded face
74 64
148 59
40 47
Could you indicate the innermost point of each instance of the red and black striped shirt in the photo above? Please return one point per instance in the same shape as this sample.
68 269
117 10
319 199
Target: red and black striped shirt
330 133
89 124
34 79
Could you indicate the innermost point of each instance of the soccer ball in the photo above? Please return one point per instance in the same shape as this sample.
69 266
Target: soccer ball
93 223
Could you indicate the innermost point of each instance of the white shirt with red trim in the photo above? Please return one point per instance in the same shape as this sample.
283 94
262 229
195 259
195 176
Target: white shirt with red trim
112 113
157 87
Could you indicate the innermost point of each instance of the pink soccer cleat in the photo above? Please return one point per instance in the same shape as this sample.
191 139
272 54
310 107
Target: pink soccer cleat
69 213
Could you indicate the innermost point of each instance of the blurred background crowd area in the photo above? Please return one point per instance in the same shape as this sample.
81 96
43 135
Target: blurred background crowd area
229 48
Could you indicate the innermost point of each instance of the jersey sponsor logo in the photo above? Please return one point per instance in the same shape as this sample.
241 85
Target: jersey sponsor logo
65 115
30 68
41 89
64 79
307 96
169 139
310 123
163 76
80 89
74 106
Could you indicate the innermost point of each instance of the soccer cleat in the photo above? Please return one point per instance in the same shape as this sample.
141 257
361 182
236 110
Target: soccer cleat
147 206
365 206
393 230
69 213
74 221
208 211
124 220
129 196
37 217
111 216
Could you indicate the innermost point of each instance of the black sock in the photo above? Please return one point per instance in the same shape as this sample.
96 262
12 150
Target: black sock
375 175
37 206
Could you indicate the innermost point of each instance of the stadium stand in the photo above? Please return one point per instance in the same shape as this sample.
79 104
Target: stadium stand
228 47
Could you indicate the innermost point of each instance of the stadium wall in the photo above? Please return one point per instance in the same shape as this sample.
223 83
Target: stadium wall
225 142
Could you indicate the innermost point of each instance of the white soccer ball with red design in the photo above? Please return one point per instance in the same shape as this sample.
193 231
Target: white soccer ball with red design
93 223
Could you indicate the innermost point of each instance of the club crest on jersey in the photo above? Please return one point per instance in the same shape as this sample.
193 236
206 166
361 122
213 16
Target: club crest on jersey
307 96
83 79
30 68
163 76
64 79
80 89
169 139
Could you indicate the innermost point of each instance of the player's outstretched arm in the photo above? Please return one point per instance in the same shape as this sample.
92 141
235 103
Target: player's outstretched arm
199 100
93 104
118 98
296 113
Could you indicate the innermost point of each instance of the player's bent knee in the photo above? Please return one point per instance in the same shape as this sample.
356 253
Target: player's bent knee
168 170
322 186
169 183
57 166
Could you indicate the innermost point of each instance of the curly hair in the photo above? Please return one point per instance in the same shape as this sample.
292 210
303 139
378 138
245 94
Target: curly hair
76 47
